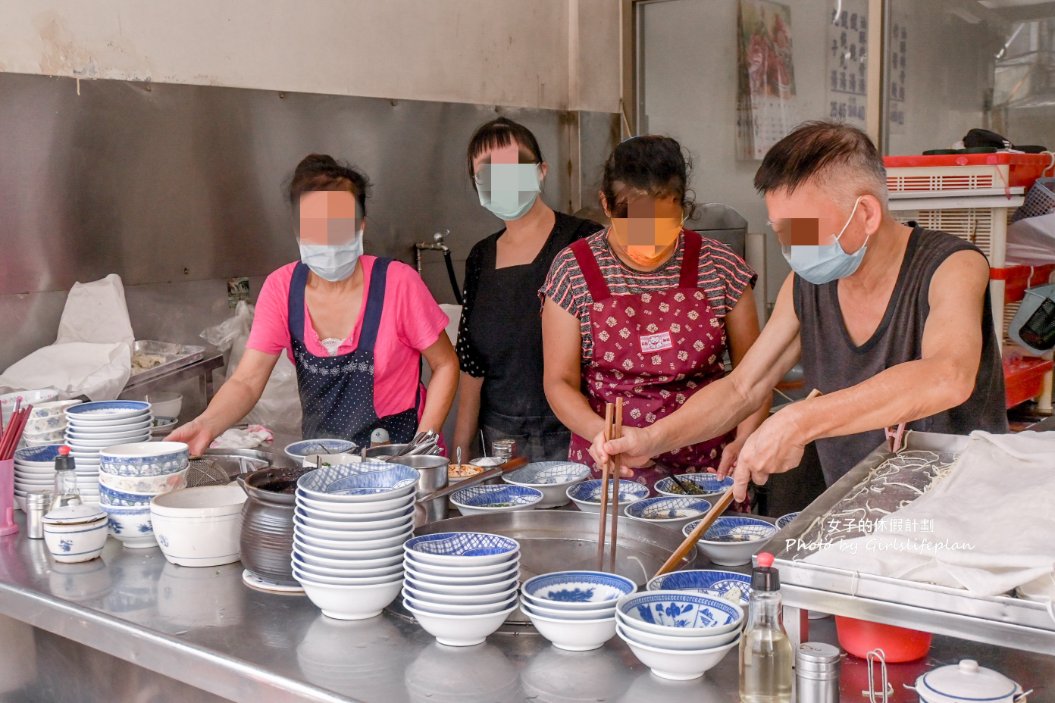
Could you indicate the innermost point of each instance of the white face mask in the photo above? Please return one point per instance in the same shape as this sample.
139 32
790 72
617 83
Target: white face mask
509 190
333 262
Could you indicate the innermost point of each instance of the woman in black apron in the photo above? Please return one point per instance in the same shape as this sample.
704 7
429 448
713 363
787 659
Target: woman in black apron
355 326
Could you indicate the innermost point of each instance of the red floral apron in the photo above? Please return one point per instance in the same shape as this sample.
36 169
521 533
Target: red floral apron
655 350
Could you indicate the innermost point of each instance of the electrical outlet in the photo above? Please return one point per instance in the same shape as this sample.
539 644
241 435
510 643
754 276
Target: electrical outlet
237 289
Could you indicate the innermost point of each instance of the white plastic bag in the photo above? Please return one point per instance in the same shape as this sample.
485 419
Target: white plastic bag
279 406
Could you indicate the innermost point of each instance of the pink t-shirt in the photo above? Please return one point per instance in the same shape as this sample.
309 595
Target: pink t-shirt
410 322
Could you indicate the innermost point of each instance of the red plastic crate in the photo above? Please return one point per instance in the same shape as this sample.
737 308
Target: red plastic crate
1022 169
1024 378
1017 279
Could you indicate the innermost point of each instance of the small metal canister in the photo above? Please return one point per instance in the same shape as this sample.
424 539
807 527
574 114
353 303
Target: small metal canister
36 505
817 673
504 449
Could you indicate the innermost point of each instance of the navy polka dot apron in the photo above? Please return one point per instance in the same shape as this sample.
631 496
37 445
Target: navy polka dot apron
337 392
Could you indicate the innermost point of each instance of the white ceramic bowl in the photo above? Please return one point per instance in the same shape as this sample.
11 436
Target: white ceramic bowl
674 664
353 520
98 445
165 403
679 614
667 511
144 458
572 635
368 578
75 533
587 494
468 549
440 601
50 409
365 545
301 526
308 548
44 436
710 485
32 397
351 602
553 478
459 630
715 545
308 447
462 576
497 498
366 508
131 525
681 643
460 589
341 567
598 612
577 590
365 482
107 431
153 485
354 526
199 526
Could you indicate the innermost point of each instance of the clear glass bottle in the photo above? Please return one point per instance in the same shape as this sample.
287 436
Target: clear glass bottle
66 491
766 656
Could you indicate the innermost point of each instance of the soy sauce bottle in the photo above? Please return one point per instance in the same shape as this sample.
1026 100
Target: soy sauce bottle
66 491
766 656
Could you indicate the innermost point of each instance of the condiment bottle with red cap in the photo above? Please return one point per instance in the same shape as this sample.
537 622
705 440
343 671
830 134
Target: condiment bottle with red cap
66 491
766 656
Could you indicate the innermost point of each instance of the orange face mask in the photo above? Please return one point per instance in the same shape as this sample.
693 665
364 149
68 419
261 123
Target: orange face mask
649 230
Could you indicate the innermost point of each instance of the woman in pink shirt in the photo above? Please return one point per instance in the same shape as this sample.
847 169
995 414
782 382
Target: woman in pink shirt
355 326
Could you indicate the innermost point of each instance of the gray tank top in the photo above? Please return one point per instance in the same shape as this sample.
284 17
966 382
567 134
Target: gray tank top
831 361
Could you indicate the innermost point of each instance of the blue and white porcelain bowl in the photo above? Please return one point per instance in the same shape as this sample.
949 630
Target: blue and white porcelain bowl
732 540
107 411
571 635
678 614
682 643
298 451
733 587
365 482
75 533
785 520
355 511
427 584
123 499
480 500
677 665
37 456
150 485
357 526
404 507
431 599
115 435
131 525
349 537
458 630
553 478
710 485
144 458
587 495
461 574
667 511
577 590
460 549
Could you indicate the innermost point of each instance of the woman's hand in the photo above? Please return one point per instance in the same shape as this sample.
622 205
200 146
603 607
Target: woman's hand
730 454
196 434
634 448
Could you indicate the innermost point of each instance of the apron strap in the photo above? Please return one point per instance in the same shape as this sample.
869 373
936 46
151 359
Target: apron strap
375 303
690 260
590 270
296 301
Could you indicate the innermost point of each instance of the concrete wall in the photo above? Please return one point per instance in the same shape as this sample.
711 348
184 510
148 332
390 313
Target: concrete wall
556 54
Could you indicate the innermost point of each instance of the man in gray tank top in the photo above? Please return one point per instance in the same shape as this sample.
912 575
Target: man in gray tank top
892 324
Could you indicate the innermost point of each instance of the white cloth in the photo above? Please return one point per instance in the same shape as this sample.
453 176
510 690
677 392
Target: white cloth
92 353
252 436
1031 242
987 527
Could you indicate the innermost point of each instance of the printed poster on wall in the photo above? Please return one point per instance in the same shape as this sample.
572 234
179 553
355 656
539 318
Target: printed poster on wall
847 62
897 72
766 86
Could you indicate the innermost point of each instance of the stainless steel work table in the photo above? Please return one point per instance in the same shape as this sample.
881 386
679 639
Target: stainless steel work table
131 627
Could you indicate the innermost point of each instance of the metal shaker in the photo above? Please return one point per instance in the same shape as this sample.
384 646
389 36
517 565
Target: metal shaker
36 505
817 673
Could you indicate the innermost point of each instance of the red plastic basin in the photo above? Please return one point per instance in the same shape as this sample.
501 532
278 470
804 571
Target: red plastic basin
899 644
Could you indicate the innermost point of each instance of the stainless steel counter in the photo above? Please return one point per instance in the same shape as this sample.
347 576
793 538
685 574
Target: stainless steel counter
204 628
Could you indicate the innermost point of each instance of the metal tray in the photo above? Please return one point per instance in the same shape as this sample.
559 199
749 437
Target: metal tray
1001 620
563 540
175 355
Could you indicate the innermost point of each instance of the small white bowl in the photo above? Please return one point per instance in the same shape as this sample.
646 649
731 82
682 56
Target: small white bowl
462 549
370 579
351 602
367 508
498 498
587 494
308 548
470 609
353 519
439 601
553 478
75 533
601 611
165 403
577 590
153 485
715 546
678 644
668 511
572 635
679 614
463 575
474 588
303 527
44 436
711 487
674 664
365 545
358 568
131 525
357 526
459 630
52 408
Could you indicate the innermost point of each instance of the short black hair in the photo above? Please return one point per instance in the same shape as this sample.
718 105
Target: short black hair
652 164
812 150
323 172
498 133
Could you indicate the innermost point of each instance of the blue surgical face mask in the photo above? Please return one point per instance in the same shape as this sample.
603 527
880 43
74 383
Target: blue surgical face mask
333 262
509 190
824 263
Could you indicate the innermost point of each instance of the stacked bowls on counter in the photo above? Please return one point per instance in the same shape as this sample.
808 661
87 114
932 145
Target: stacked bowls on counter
552 478
461 586
733 539
91 427
349 526
575 610
130 476
47 423
35 473
678 635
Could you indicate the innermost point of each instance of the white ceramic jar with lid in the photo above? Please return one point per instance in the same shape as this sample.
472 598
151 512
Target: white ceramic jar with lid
967 681
75 533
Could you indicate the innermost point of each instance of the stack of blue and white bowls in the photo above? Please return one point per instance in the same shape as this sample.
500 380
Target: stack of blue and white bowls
91 427
349 526
130 476
575 610
461 586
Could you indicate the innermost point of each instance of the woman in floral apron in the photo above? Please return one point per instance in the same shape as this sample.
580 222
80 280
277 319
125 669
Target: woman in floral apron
645 310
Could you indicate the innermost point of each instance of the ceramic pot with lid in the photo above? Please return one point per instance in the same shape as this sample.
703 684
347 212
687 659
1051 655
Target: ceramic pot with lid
266 541
75 533
967 681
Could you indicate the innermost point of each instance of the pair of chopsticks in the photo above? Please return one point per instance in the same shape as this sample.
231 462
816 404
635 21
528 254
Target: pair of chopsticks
10 437
705 523
613 429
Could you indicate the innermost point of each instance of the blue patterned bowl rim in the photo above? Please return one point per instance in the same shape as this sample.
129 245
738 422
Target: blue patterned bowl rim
624 585
726 523
496 496
462 544
45 453
364 478
733 612
120 405
302 449
143 452
548 474
783 520
716 580
627 489
706 481
638 508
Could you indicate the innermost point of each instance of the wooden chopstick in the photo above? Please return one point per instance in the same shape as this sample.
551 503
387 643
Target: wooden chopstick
705 523
617 433
609 412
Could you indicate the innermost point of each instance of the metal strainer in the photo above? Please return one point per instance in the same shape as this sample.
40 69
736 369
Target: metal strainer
220 466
